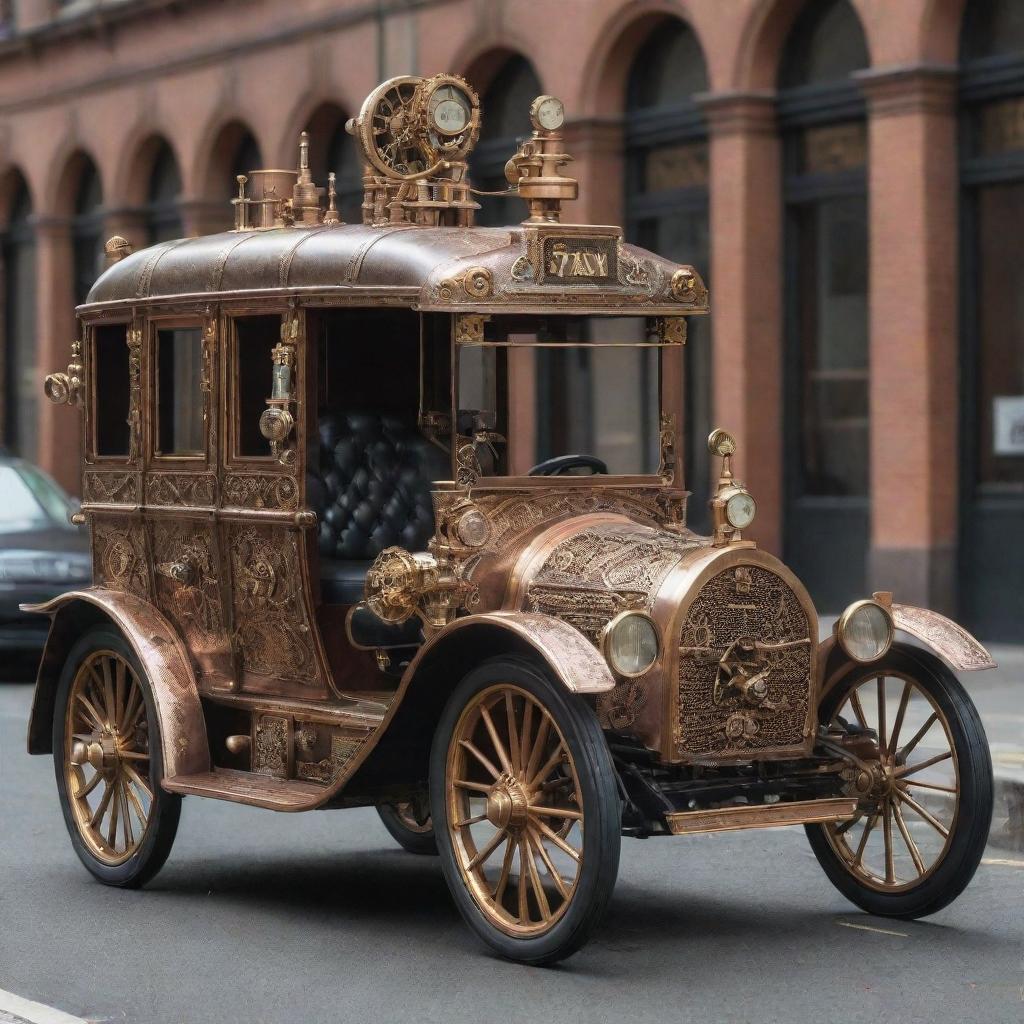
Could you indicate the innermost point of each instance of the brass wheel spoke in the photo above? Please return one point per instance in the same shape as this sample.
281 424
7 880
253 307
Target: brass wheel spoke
556 758
476 787
475 820
137 804
136 708
126 825
538 888
927 815
904 781
882 745
524 905
555 812
92 712
862 845
483 854
119 694
524 736
481 757
101 807
919 735
571 851
539 742
915 853
137 779
506 868
499 747
894 739
115 807
89 786
858 708
890 866
513 733
552 871
108 691
911 769
133 755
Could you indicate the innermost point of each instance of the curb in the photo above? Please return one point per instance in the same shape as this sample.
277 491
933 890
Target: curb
1007 831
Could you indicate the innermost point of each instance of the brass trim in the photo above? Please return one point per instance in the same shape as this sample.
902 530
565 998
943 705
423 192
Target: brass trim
725 819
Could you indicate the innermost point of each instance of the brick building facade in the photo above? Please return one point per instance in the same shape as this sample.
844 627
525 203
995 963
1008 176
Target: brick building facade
848 174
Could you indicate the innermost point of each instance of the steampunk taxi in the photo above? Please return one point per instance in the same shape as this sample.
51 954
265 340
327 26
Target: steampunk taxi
334 567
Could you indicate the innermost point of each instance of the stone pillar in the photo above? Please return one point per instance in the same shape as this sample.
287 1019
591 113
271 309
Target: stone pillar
596 148
206 216
914 337
30 14
746 295
59 426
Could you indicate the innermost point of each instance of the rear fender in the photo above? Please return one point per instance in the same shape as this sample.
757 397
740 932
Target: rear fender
159 651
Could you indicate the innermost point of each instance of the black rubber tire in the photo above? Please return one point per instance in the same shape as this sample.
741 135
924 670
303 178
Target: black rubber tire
423 843
974 816
166 807
601 807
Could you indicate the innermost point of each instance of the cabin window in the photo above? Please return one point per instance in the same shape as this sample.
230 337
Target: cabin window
112 390
255 338
179 411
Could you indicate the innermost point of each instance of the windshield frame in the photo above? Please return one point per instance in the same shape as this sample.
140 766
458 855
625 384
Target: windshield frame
468 331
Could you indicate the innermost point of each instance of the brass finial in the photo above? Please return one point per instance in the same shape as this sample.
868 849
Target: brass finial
304 174
117 248
241 204
305 195
331 216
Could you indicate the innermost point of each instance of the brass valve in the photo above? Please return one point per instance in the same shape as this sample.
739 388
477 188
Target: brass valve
400 584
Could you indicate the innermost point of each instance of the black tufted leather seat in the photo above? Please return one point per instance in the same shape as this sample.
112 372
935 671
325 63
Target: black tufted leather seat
371 489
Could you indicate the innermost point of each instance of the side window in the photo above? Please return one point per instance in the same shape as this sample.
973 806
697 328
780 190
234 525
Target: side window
255 338
179 397
111 391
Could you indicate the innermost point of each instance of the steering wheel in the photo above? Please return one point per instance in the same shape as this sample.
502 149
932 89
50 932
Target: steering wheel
563 463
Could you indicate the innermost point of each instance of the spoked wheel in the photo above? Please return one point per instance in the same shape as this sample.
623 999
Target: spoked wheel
107 758
410 825
925 787
526 810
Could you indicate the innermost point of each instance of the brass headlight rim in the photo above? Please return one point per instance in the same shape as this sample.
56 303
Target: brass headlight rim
606 639
844 620
727 497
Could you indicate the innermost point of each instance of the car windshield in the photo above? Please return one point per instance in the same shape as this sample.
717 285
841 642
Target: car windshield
541 387
29 498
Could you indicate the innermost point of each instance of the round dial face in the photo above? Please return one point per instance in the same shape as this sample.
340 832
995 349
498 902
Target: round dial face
548 113
739 510
449 110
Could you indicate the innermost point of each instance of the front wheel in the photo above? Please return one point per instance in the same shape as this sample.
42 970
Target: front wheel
410 825
925 793
526 810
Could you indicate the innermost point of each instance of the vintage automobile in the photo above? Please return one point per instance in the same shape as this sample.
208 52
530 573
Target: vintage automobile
336 566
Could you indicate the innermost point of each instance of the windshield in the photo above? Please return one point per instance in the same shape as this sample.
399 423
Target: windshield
539 387
29 498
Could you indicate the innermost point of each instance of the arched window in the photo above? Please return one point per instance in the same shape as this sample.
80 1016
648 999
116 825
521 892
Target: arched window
992 315
87 229
505 113
331 148
667 205
822 118
17 245
163 217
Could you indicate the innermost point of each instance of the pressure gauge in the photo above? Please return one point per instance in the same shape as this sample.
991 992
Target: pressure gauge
547 113
740 510
449 110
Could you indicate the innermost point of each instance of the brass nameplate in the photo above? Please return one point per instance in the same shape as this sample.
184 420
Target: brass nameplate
574 260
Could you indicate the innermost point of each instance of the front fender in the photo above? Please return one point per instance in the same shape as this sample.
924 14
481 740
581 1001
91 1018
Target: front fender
160 652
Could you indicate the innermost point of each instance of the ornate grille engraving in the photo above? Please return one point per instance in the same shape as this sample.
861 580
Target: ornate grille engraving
744 667
120 561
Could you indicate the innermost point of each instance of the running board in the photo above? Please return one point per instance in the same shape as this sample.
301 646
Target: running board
796 812
247 788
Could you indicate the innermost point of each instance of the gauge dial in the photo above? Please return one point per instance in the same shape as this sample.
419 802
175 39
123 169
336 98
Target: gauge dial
449 110
740 510
547 113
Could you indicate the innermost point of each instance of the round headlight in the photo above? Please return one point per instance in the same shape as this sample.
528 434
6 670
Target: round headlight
740 510
473 529
631 643
865 631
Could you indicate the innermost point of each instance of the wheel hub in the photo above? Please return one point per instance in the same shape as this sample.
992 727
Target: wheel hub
507 803
101 752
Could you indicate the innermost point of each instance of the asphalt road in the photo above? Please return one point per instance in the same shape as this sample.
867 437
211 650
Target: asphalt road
263 917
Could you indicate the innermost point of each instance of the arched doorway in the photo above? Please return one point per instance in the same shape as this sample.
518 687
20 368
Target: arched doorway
87 229
20 384
162 212
992 317
827 420
331 148
505 113
665 137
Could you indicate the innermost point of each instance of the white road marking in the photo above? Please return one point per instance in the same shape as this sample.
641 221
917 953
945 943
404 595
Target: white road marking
34 1013
1003 861
868 928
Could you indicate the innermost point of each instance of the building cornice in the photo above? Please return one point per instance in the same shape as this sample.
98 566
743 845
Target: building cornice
909 89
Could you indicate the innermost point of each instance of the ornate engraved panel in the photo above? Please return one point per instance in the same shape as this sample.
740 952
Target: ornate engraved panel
188 489
592 576
263 490
269 618
111 488
745 667
270 746
187 589
120 560
342 749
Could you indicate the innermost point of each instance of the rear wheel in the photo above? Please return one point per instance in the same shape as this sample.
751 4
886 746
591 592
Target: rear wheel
107 758
925 791
410 825
526 810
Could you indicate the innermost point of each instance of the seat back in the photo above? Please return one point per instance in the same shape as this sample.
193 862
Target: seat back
372 486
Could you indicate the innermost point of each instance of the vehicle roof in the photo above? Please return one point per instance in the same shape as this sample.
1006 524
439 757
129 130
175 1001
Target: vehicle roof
425 267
